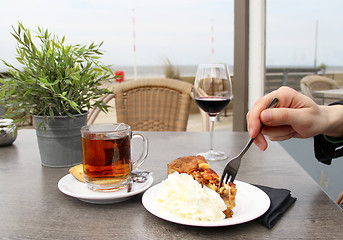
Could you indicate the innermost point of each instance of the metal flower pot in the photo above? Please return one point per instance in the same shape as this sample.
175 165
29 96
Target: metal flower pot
60 142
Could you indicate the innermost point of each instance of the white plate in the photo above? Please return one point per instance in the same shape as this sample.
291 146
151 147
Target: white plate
251 202
74 188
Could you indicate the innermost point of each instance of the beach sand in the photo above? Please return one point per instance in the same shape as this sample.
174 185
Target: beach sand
223 123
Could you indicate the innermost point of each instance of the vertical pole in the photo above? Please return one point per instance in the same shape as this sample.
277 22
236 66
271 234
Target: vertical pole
315 46
134 44
257 50
212 40
241 64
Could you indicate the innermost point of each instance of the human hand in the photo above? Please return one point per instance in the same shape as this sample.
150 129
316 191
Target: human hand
295 115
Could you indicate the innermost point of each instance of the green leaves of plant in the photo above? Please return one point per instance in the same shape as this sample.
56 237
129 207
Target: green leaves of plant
56 78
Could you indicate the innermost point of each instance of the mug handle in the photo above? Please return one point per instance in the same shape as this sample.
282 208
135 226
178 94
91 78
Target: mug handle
144 153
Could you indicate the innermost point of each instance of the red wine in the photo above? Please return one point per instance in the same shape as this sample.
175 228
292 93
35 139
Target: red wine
212 105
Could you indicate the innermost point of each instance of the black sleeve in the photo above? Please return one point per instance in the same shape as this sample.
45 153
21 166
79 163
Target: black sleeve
325 150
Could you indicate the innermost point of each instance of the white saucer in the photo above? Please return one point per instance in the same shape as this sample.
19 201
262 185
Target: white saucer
74 188
251 202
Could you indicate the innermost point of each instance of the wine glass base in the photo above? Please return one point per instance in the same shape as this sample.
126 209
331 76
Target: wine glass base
214 155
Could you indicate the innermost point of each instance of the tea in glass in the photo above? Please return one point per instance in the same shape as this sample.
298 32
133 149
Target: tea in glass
106 150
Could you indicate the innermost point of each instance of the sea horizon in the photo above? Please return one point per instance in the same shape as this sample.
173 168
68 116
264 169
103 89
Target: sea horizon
143 71
190 70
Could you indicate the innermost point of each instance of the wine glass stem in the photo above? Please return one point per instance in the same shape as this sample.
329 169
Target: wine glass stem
212 119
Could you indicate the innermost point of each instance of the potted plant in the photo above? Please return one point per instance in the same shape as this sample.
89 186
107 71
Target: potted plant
57 84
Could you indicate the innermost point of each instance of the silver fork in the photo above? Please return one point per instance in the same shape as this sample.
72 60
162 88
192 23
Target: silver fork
231 168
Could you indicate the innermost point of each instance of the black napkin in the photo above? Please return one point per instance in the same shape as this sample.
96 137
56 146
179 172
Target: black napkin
280 201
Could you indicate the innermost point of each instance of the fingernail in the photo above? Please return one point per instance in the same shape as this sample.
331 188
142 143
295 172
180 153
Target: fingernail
259 145
266 116
250 131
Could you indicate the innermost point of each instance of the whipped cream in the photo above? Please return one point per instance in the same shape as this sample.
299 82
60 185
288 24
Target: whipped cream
184 196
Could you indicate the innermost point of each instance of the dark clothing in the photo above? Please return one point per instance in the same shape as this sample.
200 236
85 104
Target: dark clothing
327 148
325 151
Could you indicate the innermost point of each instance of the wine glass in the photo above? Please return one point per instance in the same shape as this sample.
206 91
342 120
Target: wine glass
212 92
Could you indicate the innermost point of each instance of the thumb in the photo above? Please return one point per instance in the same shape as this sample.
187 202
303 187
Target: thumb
281 116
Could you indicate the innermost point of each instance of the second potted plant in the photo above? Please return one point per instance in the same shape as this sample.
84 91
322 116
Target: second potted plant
56 85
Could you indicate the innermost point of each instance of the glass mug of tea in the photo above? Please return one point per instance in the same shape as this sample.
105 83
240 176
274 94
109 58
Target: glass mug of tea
106 153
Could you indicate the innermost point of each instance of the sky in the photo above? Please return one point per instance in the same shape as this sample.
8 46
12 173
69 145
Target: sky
291 31
179 30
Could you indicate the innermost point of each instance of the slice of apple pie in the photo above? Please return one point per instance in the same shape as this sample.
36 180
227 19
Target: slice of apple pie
199 169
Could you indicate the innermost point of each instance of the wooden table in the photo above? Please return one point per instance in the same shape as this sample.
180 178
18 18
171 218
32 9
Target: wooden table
328 96
32 206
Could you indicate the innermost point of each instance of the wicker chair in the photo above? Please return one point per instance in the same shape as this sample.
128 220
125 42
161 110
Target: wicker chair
152 104
315 83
